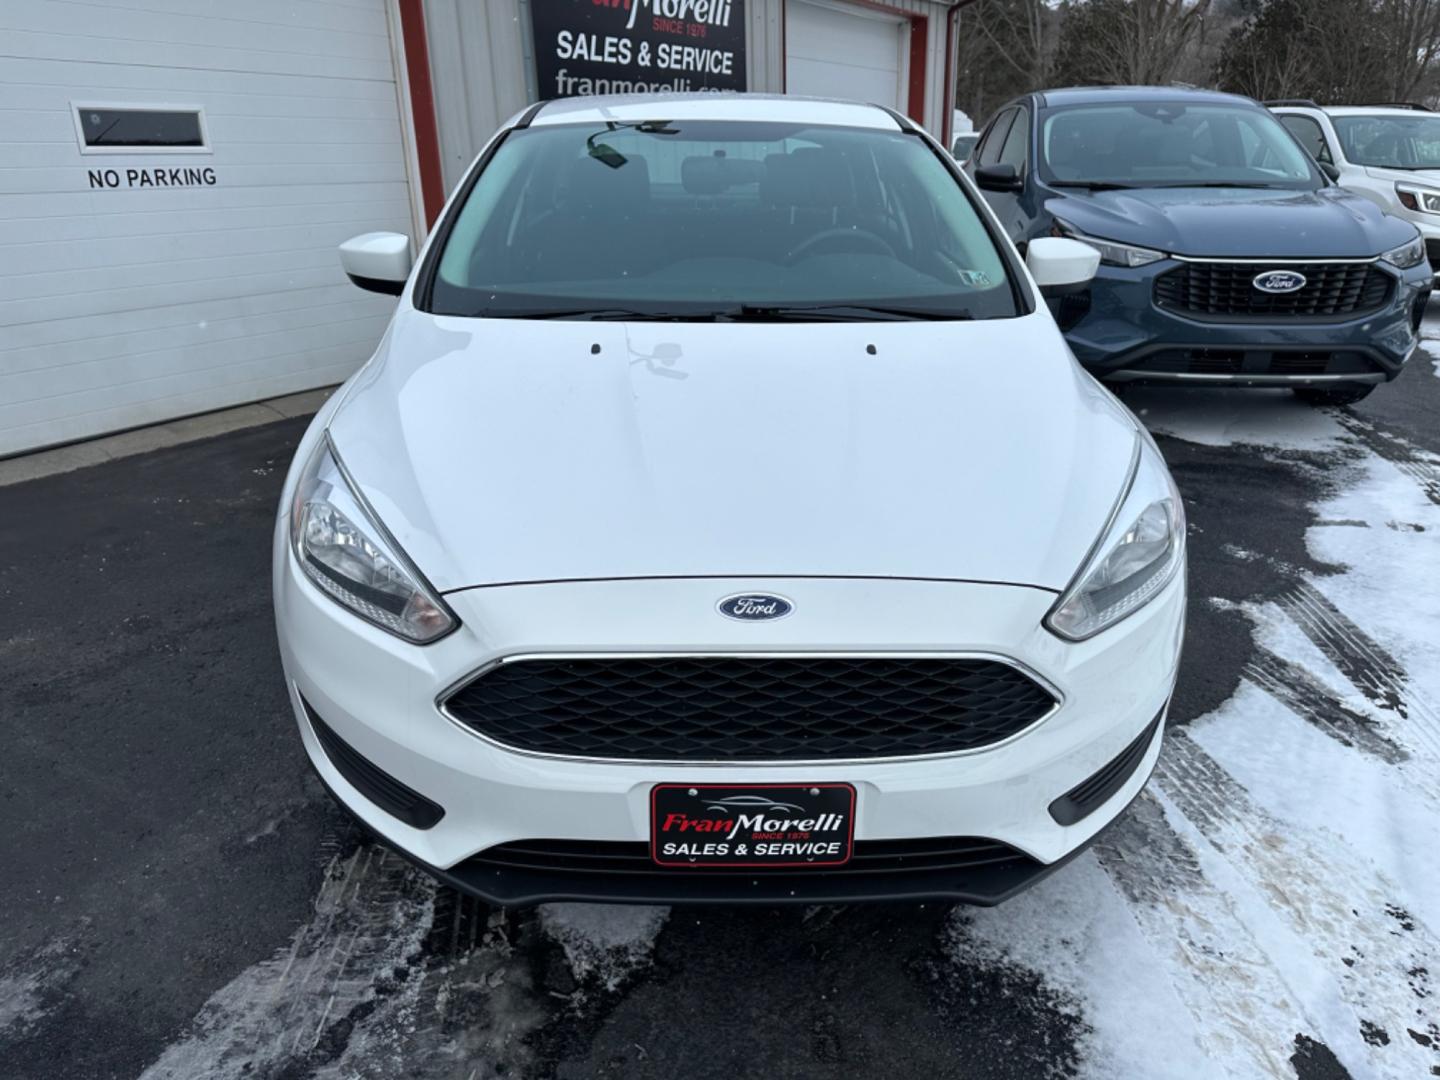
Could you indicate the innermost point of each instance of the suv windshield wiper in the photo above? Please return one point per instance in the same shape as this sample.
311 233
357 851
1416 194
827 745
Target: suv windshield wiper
835 312
1094 185
1223 184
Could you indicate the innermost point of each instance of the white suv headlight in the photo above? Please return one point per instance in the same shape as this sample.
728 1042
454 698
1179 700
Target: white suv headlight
1418 198
343 549
1137 555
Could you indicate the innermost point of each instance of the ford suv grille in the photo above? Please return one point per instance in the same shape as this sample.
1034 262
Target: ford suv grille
1223 290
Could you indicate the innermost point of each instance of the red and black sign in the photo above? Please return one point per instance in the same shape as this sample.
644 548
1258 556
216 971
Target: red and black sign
752 825
638 46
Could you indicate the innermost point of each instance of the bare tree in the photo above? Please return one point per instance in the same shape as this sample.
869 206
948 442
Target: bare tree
1128 41
1408 35
1019 32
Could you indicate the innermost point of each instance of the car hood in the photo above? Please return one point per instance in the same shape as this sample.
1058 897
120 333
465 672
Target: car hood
1238 222
503 451
1421 177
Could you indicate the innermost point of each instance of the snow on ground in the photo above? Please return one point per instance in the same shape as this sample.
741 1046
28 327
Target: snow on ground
604 942
1432 347
1267 886
371 917
1219 416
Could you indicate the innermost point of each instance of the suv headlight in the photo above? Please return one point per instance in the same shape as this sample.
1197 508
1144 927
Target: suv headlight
1418 198
1406 255
1137 555
345 551
1111 253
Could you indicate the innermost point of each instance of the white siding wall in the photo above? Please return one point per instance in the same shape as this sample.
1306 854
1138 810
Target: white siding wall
482 61
126 307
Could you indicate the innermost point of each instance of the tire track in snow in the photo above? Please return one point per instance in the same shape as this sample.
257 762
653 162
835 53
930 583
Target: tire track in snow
1333 901
1243 1009
1367 664
1312 701
296 1010
398 977
1404 455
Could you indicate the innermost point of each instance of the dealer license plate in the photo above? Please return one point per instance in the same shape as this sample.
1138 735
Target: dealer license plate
752 825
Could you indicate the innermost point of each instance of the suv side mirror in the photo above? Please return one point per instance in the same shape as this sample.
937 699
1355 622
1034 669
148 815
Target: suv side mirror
998 178
1061 266
1330 169
378 261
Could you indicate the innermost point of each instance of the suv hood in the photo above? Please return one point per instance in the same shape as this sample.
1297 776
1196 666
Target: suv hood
505 451
1238 222
1418 177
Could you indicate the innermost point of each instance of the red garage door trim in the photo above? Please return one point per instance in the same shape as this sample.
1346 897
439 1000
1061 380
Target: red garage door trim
919 51
422 108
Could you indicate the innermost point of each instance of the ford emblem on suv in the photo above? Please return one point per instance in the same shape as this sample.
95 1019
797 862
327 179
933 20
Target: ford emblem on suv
752 607
1279 281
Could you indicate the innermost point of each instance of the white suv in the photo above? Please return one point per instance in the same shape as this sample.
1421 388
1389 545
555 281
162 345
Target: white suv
1388 153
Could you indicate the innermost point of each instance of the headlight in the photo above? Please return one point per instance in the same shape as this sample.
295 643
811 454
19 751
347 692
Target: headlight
1111 253
1406 255
343 549
1137 555
1417 198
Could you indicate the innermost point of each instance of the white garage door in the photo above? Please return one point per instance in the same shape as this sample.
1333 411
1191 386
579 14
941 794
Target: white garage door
846 52
143 282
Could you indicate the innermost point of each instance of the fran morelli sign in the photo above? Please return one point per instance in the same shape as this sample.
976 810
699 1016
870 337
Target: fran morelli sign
638 46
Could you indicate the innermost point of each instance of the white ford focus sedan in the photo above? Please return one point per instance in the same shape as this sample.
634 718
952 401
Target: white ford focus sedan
723 518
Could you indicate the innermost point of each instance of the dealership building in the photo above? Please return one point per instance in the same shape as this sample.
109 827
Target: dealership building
178 174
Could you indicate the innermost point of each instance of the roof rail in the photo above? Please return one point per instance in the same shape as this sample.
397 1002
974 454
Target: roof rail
1299 102
1401 105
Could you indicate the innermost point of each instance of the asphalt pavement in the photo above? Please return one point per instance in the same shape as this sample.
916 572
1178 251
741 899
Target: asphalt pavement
181 899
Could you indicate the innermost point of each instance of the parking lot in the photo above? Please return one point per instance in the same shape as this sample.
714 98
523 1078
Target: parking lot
183 901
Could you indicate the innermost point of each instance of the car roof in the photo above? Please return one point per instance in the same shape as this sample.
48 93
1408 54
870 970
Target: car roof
1372 110
785 109
1105 95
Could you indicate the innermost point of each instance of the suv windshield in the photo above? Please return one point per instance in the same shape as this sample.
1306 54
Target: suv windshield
1390 142
718 219
1172 144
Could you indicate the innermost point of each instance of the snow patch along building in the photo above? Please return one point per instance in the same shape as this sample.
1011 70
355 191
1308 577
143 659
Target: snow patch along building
177 174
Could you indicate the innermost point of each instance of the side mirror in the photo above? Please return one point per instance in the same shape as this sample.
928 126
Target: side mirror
1330 169
998 178
378 261
1061 266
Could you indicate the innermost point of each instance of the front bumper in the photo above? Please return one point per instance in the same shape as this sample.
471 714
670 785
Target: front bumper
379 695
1120 334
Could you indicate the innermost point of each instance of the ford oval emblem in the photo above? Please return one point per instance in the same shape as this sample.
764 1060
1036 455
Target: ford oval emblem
1279 281
755 607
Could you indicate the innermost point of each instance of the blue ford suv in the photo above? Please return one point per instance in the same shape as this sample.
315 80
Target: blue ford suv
1227 256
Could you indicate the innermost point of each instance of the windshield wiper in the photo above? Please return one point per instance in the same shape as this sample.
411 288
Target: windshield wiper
602 315
1222 184
836 313
1094 185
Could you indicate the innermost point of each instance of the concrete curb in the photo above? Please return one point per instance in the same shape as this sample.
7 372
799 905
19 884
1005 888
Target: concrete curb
81 455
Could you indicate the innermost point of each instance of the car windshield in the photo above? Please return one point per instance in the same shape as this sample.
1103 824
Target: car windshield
1172 144
718 219
1390 142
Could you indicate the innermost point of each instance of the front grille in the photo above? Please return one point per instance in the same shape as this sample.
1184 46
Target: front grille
1221 290
1432 253
1254 362
633 858
750 708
